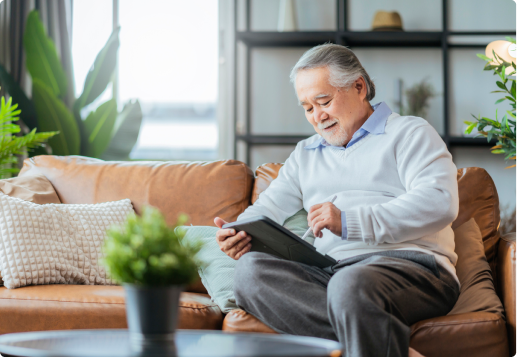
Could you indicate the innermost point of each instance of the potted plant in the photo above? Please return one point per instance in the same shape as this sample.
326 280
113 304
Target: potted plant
11 143
153 263
502 130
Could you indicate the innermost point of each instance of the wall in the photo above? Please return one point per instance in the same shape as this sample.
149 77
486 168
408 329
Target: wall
274 108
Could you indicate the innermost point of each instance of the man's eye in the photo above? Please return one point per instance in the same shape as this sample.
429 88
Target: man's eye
308 110
325 104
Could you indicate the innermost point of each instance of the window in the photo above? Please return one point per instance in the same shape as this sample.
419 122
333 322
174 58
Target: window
168 60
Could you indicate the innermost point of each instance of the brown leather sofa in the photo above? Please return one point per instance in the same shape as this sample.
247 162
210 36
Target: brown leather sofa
205 190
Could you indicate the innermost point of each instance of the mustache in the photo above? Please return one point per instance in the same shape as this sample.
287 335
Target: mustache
326 124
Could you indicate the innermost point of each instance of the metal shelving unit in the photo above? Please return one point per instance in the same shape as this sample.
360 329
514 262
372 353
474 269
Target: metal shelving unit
411 39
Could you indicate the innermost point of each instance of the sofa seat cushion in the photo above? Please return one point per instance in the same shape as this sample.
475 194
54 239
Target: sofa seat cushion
470 334
63 307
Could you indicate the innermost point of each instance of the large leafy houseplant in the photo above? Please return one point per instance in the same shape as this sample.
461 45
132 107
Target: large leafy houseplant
154 263
11 144
501 129
47 111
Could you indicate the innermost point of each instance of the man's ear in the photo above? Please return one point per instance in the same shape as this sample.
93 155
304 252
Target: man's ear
360 87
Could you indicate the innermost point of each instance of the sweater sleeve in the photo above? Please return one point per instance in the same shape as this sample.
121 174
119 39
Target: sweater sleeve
431 200
283 197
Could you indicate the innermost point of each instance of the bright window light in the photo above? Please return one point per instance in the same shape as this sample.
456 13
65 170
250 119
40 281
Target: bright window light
168 60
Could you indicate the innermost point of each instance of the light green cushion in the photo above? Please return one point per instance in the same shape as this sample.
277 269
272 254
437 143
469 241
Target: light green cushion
217 274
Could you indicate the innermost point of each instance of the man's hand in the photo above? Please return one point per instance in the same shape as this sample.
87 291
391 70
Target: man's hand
324 215
234 245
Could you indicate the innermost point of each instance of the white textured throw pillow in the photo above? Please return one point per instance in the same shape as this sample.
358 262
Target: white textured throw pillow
55 243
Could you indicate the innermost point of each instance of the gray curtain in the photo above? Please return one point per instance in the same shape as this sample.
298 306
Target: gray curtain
56 16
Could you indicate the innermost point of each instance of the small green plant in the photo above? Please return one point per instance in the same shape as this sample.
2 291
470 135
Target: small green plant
417 98
11 144
146 251
503 130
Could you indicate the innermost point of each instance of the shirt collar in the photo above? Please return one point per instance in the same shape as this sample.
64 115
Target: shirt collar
375 124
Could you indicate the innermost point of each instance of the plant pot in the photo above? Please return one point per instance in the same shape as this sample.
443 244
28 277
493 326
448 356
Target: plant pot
152 316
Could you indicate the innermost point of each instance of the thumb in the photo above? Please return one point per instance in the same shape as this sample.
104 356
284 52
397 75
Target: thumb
219 222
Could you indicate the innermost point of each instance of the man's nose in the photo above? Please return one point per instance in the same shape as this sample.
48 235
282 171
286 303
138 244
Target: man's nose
319 115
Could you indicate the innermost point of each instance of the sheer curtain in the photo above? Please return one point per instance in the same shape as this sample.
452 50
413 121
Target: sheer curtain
56 16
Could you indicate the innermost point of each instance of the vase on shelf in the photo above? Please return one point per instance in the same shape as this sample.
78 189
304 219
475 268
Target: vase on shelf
287 16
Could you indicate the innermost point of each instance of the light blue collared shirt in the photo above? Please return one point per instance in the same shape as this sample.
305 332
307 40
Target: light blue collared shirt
375 124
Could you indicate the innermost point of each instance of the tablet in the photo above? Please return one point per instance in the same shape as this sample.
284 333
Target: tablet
270 237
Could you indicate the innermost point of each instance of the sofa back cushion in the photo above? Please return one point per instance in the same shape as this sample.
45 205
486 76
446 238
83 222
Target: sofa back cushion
203 190
478 200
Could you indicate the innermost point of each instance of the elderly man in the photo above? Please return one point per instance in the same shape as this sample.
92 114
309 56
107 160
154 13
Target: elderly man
389 227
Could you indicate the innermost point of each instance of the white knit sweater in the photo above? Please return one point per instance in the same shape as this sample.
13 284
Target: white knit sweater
398 190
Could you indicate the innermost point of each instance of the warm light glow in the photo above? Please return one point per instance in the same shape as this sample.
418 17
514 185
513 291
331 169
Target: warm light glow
505 50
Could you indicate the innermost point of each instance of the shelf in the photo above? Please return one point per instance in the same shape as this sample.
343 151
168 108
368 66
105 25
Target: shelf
285 39
392 39
294 139
358 38
468 141
355 39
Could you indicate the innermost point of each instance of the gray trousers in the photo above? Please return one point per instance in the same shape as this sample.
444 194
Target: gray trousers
367 302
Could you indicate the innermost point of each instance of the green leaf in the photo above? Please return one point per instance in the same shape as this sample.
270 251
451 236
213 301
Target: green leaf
500 100
53 115
510 98
489 136
99 126
28 114
41 56
470 128
100 73
511 114
510 39
125 132
512 90
483 57
502 73
498 151
501 85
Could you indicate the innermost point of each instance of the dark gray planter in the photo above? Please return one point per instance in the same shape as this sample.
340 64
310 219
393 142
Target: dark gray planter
152 316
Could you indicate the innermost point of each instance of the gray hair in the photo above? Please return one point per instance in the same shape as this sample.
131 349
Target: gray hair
343 65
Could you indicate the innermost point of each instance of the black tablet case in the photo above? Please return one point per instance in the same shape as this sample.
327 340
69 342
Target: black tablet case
270 237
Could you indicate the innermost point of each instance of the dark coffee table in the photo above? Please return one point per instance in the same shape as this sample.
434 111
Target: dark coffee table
198 343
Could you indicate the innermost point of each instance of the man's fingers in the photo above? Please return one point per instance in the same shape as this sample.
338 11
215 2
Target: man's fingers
246 249
315 207
230 242
222 234
237 248
313 215
219 222
318 227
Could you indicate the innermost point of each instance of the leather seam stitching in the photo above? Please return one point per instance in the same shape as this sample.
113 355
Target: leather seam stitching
97 302
454 323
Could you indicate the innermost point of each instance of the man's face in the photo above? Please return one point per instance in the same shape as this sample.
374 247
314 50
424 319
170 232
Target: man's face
335 113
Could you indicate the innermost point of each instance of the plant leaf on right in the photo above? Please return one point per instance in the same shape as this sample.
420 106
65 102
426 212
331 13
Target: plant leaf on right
503 129
146 251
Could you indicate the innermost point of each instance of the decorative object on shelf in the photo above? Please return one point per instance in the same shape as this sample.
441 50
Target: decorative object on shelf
47 111
417 98
287 16
505 50
503 131
12 144
153 263
387 21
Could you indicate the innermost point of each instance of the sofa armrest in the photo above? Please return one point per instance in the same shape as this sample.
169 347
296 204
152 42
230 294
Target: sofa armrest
506 284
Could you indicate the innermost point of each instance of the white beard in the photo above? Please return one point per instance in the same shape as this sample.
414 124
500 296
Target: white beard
337 137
